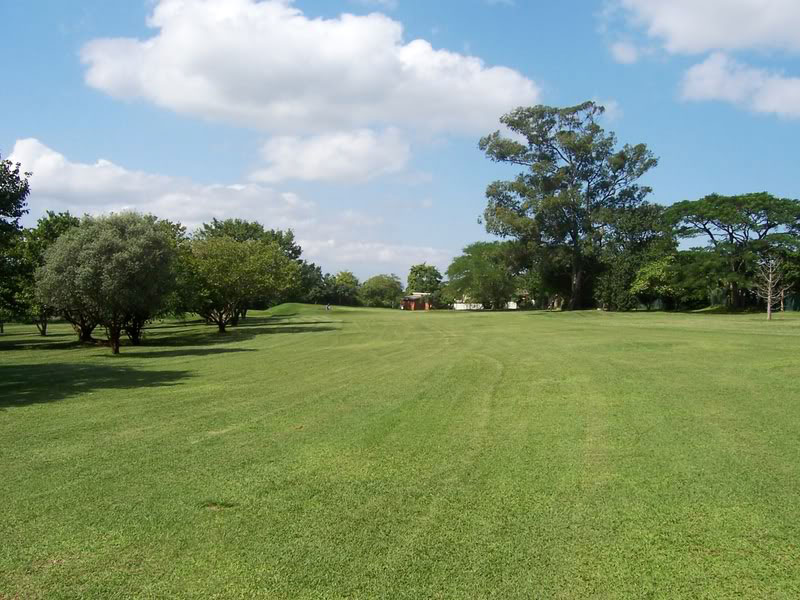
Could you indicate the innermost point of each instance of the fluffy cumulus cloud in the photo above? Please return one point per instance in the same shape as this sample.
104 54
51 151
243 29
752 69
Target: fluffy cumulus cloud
343 156
266 65
719 28
721 78
696 26
100 187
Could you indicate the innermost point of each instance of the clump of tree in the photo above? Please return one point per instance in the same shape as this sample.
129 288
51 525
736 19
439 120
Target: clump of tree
31 248
483 275
574 180
738 231
381 291
226 276
114 271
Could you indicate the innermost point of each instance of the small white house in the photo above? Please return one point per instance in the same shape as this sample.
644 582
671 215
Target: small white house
465 304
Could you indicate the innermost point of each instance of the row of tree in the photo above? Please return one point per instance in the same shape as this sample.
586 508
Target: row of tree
579 230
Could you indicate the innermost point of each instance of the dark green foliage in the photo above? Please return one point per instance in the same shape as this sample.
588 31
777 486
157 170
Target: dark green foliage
31 248
14 190
739 230
573 178
114 271
381 291
483 275
424 278
344 288
226 276
242 231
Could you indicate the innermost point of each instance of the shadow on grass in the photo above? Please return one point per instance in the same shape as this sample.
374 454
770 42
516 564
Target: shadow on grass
52 341
21 385
211 337
133 352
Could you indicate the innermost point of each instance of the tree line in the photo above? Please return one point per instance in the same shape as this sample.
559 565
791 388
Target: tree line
578 231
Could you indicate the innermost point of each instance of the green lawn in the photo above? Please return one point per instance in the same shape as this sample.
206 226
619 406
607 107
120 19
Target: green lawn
368 453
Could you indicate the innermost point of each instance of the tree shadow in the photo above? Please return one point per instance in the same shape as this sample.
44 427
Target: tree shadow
212 337
132 352
21 385
52 341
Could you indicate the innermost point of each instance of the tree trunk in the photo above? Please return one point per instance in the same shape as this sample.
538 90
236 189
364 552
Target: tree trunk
2 327
769 300
84 332
114 334
221 325
783 297
576 288
41 325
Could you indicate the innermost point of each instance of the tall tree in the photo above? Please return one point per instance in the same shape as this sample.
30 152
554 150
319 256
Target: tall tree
381 291
770 283
346 288
739 229
111 270
573 175
424 278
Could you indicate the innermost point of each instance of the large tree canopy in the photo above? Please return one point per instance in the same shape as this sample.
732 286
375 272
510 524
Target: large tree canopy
424 278
243 231
115 271
573 175
228 274
739 230
31 249
483 274
382 291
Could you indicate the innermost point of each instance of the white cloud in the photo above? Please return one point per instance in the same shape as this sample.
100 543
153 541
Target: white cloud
357 253
698 26
268 66
351 156
613 110
721 78
624 52
338 242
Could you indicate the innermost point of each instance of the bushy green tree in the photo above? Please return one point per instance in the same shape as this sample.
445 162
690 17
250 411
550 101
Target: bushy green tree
345 288
381 291
739 230
228 274
114 271
14 190
424 278
483 274
573 176
31 249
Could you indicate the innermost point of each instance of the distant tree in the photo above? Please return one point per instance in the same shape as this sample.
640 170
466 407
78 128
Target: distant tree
243 231
14 190
770 283
32 246
483 275
312 288
227 274
381 291
739 229
114 271
424 278
574 175
345 288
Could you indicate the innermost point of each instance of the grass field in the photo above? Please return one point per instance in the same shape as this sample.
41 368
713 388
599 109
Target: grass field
368 453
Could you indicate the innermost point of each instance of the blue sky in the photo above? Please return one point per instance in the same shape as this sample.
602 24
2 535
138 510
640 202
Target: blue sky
356 122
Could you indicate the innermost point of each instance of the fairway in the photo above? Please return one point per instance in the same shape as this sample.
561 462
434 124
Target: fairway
366 453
